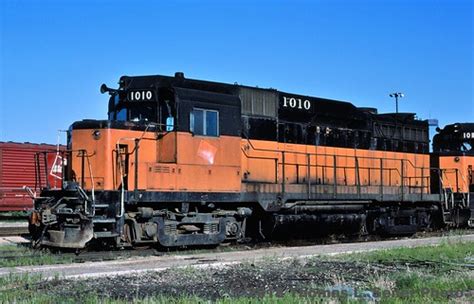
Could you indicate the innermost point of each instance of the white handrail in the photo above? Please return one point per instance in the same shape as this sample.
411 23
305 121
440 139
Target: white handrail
117 146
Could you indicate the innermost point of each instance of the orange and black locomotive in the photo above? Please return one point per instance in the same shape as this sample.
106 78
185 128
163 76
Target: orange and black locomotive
185 162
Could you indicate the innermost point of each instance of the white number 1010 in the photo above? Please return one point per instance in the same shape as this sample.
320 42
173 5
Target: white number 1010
296 103
141 95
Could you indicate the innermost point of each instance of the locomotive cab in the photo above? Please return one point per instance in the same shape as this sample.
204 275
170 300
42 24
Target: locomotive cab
453 154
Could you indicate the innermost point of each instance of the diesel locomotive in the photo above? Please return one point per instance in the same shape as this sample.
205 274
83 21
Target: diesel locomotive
184 162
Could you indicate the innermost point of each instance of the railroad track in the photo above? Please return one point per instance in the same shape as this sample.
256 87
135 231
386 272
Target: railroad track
97 256
110 255
94 256
13 230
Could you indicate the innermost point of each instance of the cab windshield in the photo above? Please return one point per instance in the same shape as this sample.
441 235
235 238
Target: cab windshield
123 110
454 145
161 112
142 112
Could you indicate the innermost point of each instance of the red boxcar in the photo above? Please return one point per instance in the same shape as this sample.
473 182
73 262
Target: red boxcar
17 169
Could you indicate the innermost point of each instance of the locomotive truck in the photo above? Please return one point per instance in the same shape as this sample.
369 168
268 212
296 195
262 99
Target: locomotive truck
184 162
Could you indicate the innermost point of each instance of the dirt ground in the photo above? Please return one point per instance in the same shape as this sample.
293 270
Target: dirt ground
240 280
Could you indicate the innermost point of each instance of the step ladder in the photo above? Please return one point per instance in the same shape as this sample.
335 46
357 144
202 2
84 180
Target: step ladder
105 226
448 207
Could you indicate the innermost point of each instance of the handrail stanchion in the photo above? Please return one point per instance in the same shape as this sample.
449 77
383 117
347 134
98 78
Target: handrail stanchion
283 172
335 176
381 178
83 152
402 169
45 159
136 163
308 175
457 180
357 176
422 183
37 173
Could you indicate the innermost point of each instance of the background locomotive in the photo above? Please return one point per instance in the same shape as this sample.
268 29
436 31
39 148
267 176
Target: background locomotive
186 162
453 152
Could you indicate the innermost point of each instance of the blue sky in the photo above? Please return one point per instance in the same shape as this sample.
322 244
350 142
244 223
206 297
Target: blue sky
54 55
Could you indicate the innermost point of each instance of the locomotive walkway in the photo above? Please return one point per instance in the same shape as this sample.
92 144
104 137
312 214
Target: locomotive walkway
159 263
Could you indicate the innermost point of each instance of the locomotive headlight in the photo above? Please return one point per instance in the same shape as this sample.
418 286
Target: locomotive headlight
96 134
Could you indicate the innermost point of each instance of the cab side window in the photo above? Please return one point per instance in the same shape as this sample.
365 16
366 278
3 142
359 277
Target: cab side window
204 122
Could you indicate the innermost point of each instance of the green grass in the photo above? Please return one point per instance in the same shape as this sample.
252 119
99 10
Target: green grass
446 251
418 287
428 274
18 255
444 257
289 298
